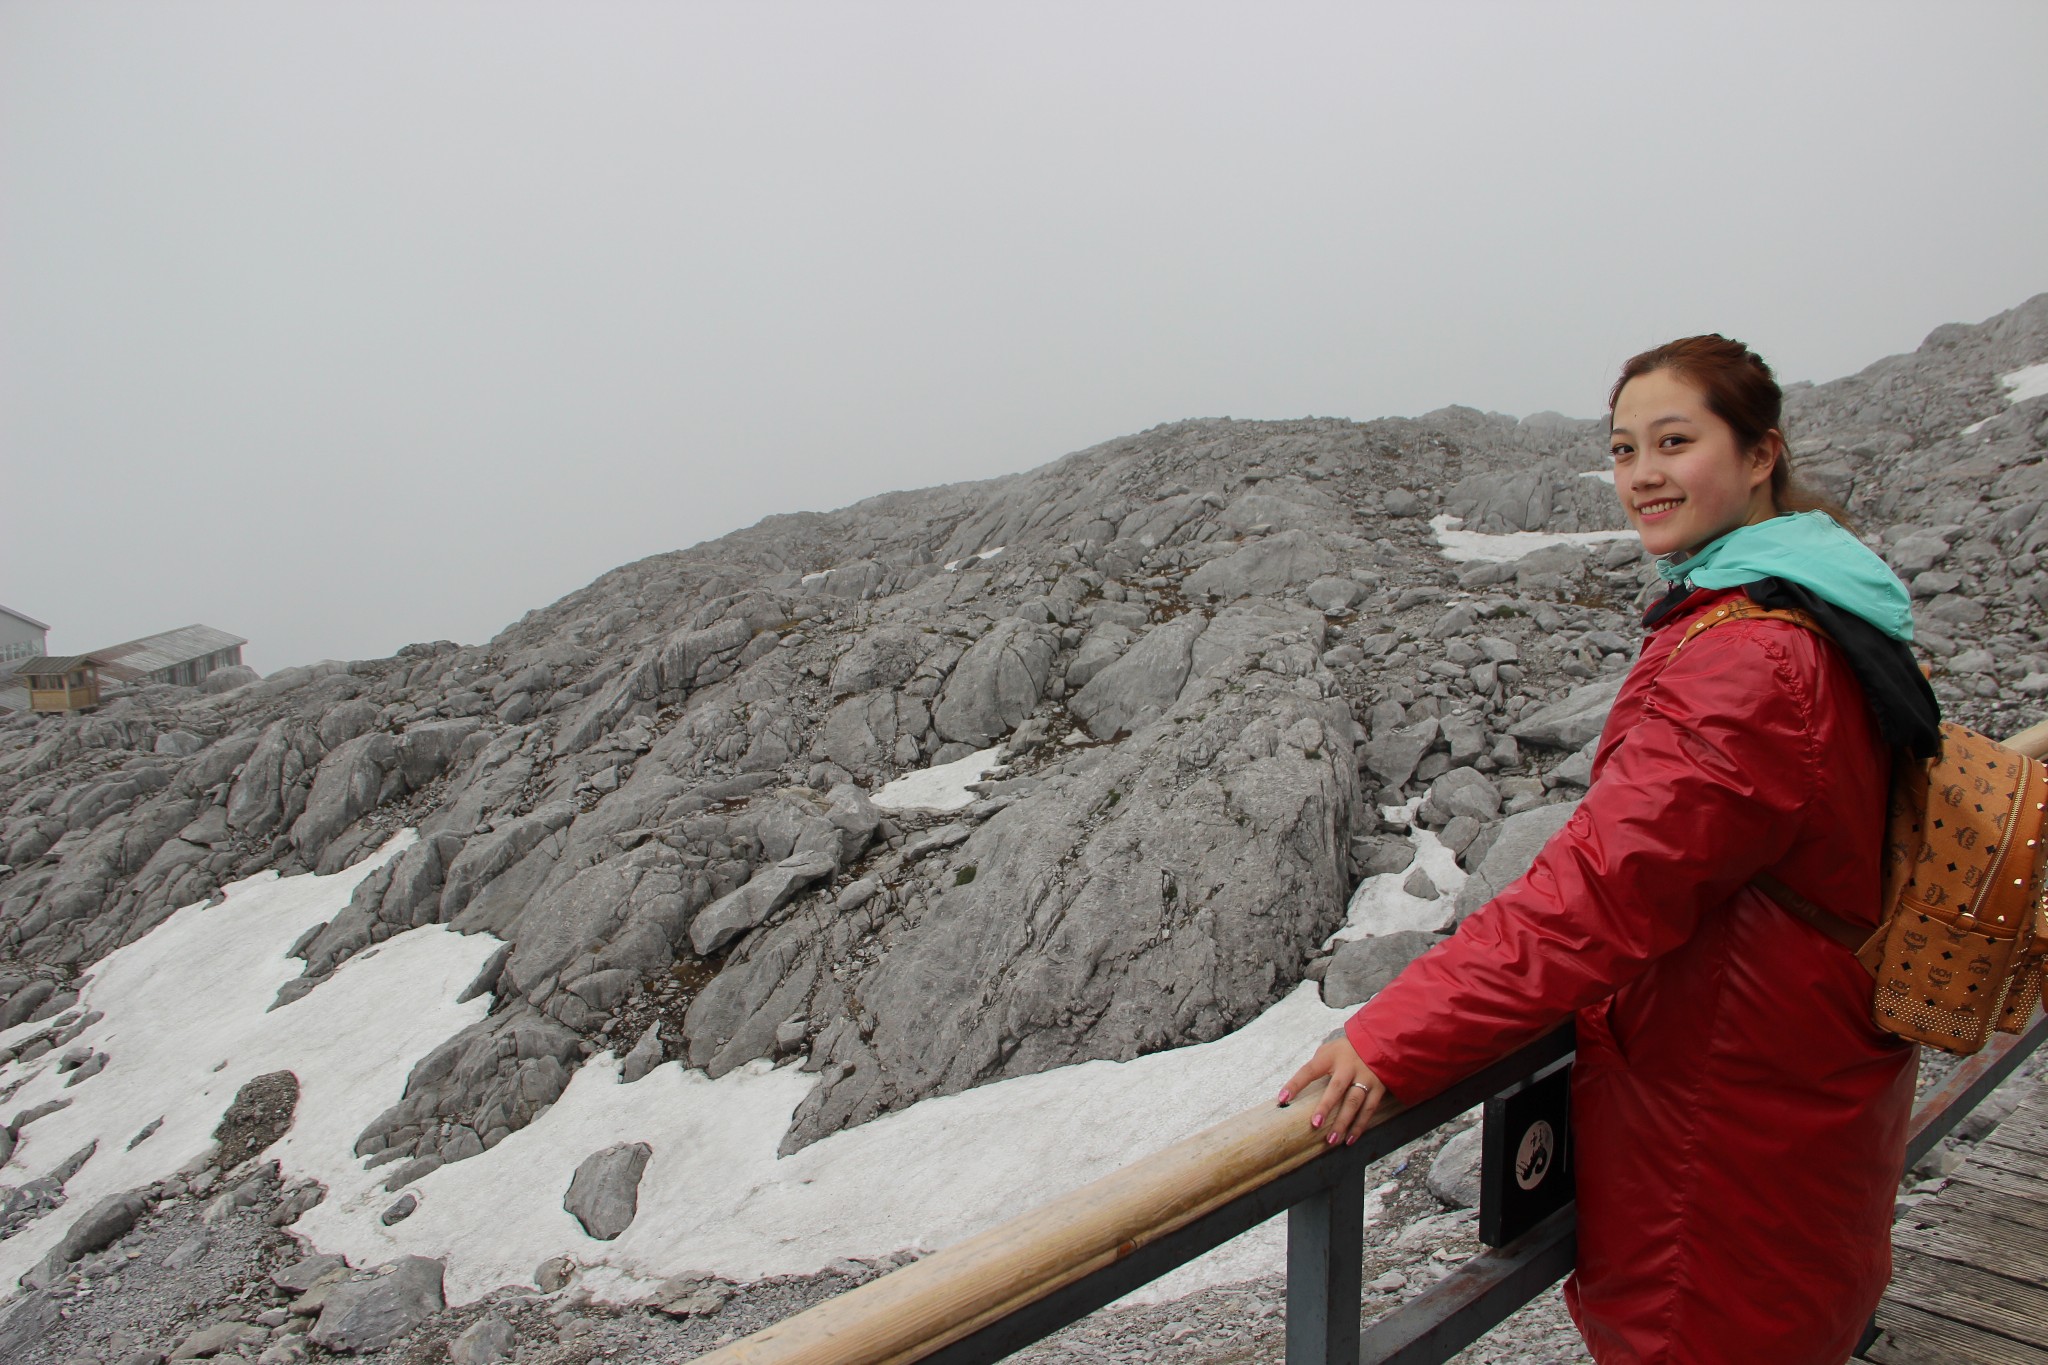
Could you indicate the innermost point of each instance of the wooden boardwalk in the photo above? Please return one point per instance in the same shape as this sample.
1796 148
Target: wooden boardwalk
1970 1266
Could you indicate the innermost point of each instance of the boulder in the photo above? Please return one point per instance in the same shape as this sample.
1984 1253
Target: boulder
103 1224
1393 751
1465 791
604 1194
1138 688
370 1312
1571 722
484 1342
766 892
1363 965
1265 567
1520 839
996 683
228 679
1100 648
1454 1175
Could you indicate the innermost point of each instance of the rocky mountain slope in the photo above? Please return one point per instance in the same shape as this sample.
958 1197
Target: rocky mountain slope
1186 669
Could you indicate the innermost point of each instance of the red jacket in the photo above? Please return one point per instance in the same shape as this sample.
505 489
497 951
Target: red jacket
1740 1123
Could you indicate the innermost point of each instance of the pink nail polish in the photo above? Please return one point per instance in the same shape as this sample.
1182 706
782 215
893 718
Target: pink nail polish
1316 1122
1286 1095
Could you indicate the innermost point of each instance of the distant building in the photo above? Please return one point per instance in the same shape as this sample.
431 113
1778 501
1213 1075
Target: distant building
71 683
182 656
21 637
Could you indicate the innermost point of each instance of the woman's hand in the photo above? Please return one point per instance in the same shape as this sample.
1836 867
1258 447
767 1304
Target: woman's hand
1348 1102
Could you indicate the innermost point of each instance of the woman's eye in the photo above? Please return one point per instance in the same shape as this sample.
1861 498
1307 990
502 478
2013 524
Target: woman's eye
1670 441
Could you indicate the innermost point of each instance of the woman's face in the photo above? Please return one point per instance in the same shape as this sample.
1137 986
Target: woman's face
1682 476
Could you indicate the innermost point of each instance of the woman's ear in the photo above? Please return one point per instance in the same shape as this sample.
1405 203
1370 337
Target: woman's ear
1765 455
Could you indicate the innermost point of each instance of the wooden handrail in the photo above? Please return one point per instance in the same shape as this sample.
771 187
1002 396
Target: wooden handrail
2032 741
930 1303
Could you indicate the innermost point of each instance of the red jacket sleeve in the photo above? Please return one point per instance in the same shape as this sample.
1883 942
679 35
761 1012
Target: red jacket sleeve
1706 790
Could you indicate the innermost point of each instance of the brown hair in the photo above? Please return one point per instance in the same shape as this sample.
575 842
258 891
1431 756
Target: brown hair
1740 390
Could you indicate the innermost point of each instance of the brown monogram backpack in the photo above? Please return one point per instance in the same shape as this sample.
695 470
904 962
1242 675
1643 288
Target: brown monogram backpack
1960 945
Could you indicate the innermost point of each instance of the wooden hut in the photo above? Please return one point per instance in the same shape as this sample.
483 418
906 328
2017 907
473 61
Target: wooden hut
71 683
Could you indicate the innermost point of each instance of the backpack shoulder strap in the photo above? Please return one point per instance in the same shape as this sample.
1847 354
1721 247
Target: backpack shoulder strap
1742 609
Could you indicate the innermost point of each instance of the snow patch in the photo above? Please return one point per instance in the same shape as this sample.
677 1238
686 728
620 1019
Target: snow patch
939 788
1380 906
715 1197
1462 546
2030 382
953 564
1605 476
186 1025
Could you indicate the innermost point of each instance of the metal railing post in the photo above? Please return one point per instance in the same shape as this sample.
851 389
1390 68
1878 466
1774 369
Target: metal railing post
1325 1258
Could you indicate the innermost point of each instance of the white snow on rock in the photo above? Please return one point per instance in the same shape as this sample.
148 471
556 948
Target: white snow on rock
2022 384
1462 546
186 1026
1380 906
715 1196
1605 476
2030 381
943 787
978 555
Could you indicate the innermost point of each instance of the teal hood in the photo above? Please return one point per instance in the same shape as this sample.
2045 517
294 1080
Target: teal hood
1813 550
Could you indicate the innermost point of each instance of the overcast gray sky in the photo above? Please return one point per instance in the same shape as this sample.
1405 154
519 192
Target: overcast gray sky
341 325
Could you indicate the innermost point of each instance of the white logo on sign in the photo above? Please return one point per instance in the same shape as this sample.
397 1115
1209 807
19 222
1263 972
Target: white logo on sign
1533 1158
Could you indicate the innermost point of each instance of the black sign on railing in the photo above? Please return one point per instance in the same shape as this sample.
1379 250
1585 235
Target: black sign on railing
1526 1151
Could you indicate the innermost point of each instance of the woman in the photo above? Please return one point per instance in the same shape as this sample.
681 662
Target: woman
1740 1122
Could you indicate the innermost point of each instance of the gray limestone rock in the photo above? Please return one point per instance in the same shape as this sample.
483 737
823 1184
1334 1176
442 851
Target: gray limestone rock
223 680
1520 839
352 780
605 1192
1265 567
1393 752
645 1055
995 684
217 1338
34 1316
1362 966
1102 646
303 1274
484 1342
1462 791
1571 722
726 918
1454 1173
102 1225
1139 687
372 1311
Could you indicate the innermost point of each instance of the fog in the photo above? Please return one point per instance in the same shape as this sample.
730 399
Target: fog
345 325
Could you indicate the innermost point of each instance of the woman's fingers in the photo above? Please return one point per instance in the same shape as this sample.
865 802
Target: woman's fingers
1349 1101
1317 1065
1362 1100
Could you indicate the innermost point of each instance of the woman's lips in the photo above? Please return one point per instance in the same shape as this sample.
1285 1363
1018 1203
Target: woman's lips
1649 511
